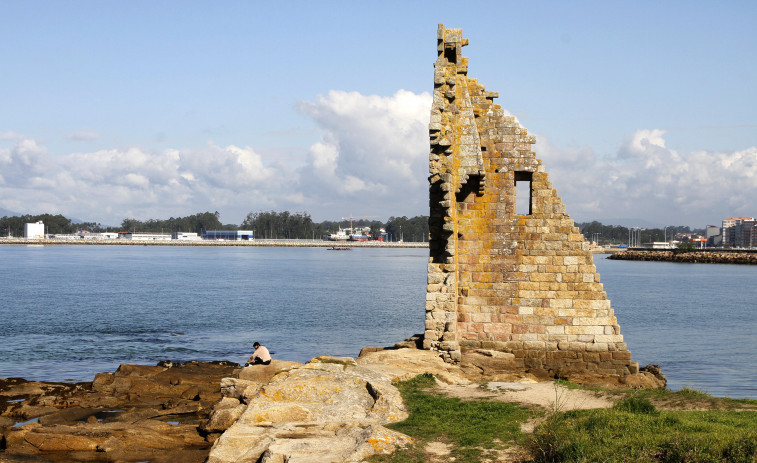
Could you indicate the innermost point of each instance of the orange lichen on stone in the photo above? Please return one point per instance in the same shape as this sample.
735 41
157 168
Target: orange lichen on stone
505 273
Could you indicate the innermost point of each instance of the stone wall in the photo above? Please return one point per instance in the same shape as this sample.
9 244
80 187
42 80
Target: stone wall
522 282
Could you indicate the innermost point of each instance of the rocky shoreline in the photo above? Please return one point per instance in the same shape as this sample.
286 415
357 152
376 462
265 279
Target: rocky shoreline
137 413
700 257
328 409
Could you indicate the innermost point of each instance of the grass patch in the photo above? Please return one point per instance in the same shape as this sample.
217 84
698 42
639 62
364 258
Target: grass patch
642 426
688 398
634 430
633 404
472 429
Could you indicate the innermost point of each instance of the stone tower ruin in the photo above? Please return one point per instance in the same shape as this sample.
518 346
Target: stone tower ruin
508 270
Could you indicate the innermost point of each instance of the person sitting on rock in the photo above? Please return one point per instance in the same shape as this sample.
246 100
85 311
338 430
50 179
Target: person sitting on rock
261 356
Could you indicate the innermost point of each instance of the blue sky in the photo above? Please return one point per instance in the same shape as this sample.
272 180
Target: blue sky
108 110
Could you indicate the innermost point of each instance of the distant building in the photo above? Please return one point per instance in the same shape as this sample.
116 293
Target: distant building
85 235
228 235
34 231
699 241
745 234
729 230
657 245
144 236
713 235
185 236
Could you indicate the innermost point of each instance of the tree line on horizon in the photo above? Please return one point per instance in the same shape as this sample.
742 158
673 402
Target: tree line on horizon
265 224
300 225
617 234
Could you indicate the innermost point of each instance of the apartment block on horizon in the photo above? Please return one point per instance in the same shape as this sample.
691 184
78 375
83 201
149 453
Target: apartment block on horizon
714 235
740 232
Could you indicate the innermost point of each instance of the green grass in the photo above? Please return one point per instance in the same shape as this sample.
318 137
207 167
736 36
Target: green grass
634 430
470 428
688 398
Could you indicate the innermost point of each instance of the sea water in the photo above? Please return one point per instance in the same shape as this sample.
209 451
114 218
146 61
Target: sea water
68 312
697 321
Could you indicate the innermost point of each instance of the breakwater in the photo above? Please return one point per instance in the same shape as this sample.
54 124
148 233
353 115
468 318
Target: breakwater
699 257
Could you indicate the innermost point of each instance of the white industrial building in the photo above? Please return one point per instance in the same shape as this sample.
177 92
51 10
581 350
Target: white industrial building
144 236
34 231
185 236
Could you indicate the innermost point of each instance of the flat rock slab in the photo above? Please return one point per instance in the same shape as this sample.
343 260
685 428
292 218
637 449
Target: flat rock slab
328 410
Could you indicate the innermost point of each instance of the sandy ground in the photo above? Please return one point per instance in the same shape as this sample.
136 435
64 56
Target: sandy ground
546 394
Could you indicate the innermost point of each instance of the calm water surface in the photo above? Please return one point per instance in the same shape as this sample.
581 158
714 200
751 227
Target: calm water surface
68 312
697 321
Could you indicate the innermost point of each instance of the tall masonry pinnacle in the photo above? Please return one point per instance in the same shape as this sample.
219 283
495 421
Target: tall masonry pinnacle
508 270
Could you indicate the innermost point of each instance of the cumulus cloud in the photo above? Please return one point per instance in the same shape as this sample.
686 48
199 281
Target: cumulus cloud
109 185
371 159
373 153
646 179
23 164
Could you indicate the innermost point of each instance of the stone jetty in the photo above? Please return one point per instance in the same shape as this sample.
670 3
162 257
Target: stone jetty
694 257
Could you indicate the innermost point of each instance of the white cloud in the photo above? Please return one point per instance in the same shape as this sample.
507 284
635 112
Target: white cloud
373 147
371 159
110 185
647 180
23 164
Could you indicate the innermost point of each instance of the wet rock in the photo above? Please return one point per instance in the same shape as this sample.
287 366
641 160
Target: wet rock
6 422
67 415
137 413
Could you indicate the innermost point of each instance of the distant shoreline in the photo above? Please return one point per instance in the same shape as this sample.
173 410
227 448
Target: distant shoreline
200 243
284 243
